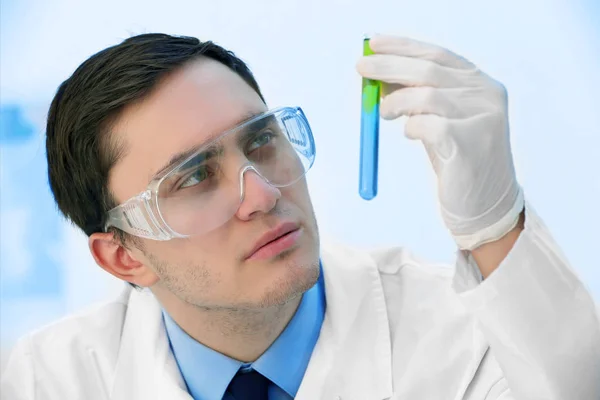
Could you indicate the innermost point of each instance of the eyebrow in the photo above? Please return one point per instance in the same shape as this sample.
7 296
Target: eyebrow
183 155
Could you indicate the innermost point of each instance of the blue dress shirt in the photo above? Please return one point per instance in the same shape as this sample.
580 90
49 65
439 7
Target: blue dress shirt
207 373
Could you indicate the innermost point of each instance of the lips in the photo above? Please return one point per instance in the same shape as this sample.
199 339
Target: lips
275 241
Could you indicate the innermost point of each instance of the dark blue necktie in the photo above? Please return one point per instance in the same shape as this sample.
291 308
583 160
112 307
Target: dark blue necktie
249 386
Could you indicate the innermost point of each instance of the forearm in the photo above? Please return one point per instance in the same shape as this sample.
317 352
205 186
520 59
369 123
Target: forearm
489 256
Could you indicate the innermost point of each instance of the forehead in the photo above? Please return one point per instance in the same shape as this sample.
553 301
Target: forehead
195 103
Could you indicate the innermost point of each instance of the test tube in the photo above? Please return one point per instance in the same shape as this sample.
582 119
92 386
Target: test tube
369 133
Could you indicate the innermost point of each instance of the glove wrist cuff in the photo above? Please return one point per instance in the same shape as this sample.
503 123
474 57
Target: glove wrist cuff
496 231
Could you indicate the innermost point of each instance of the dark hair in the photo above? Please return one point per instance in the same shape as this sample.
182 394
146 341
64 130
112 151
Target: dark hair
79 148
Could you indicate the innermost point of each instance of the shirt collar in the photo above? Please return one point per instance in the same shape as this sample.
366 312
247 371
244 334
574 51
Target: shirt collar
207 372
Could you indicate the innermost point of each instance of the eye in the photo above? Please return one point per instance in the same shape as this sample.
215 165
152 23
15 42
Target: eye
199 175
262 139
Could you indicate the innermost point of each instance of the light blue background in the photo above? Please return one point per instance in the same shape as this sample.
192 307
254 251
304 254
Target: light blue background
303 53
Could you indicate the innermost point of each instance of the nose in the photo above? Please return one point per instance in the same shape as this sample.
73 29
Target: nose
258 196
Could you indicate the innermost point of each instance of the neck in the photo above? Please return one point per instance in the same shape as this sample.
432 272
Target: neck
242 334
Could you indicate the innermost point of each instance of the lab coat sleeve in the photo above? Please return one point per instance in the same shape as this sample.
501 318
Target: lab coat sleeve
541 323
17 381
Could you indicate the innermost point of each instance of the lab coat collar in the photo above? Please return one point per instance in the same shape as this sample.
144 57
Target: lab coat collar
351 360
146 367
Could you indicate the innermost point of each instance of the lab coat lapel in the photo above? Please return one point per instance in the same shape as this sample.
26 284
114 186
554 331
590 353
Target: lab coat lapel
146 368
352 358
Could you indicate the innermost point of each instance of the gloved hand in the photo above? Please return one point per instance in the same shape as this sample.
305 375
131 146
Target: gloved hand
460 114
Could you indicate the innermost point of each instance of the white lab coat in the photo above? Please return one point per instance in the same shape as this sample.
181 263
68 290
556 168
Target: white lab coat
395 328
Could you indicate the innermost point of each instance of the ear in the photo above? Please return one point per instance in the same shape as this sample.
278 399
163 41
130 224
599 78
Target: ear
115 259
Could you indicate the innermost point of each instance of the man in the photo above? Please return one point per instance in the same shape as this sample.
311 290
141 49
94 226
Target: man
163 151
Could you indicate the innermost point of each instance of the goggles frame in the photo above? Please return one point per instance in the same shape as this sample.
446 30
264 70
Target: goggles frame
140 215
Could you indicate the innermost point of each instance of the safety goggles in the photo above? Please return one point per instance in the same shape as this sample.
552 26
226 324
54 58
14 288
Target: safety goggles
206 189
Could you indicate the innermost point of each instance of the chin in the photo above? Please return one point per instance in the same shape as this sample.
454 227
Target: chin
299 272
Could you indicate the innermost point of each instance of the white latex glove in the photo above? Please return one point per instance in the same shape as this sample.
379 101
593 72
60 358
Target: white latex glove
460 114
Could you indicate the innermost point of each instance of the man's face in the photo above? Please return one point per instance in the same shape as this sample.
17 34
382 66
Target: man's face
213 270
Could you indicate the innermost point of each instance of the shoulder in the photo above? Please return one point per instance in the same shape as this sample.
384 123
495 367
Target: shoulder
395 264
414 288
96 324
403 271
69 346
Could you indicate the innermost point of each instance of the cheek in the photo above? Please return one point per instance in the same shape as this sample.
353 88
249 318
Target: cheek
193 251
194 269
298 195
